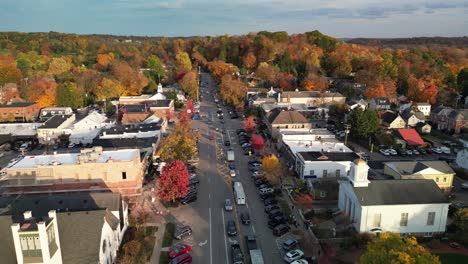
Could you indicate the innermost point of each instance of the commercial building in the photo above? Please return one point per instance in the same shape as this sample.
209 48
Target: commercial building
90 170
62 228
19 111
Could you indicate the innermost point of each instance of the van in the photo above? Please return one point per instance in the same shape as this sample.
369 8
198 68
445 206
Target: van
266 190
280 230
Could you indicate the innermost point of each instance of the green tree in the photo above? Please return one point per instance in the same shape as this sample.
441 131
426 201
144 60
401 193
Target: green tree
390 248
462 81
156 68
68 94
24 65
183 62
460 222
286 63
363 123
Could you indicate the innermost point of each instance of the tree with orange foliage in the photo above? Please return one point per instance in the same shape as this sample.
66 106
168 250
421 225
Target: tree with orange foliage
249 124
285 81
42 92
199 59
313 82
219 69
429 94
249 60
232 90
415 88
389 88
375 92
267 72
59 65
104 61
132 80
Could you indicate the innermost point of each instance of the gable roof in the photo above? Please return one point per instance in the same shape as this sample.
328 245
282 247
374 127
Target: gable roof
394 192
281 116
411 136
55 121
388 117
16 104
416 167
328 156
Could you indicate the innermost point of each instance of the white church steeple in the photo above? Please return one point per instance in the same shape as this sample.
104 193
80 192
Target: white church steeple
358 175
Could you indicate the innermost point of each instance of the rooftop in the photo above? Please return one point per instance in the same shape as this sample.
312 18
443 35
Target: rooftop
394 192
420 167
305 94
125 143
55 121
16 104
328 156
326 145
72 158
280 116
411 136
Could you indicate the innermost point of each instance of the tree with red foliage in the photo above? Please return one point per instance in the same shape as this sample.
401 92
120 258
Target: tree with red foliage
184 119
249 124
190 107
181 74
429 94
257 142
375 92
169 115
173 181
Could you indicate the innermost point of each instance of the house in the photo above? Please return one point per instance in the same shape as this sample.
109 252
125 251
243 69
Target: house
311 98
86 129
19 111
90 170
283 118
379 104
410 136
353 104
62 228
391 120
424 108
448 119
54 127
413 118
438 171
423 128
322 164
409 207
8 92
137 113
49 112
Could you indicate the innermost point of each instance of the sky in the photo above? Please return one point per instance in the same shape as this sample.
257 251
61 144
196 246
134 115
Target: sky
337 18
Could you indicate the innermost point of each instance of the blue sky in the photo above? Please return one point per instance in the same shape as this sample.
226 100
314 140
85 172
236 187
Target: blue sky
338 18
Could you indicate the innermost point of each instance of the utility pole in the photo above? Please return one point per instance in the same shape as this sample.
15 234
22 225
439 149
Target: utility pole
347 127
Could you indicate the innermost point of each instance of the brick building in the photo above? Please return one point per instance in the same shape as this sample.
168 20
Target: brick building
19 111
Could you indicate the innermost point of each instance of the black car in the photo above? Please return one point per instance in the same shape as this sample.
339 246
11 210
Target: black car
189 199
227 143
270 201
231 228
272 207
279 220
240 130
232 165
254 162
248 151
275 213
245 218
182 231
259 181
265 196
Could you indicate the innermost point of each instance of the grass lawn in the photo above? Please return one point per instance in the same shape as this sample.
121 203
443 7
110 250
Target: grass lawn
145 236
168 235
450 258
164 257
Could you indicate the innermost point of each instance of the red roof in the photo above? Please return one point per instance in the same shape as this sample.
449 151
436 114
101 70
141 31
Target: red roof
411 136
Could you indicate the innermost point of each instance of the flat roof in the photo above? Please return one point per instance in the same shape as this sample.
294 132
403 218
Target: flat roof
72 158
327 145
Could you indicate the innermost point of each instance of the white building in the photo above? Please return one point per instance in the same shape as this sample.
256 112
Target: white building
425 108
54 127
85 130
318 164
409 207
49 112
75 229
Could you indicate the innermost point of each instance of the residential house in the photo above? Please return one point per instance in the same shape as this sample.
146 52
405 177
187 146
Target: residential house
409 207
19 111
54 127
49 112
137 113
283 118
361 104
323 164
448 119
413 118
90 170
62 228
311 98
438 171
424 108
391 120
423 128
379 104
410 137
86 129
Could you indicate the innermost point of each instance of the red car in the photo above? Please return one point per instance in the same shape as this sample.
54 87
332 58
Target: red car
181 259
178 249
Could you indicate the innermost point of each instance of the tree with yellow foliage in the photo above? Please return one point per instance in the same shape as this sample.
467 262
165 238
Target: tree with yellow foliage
390 248
272 168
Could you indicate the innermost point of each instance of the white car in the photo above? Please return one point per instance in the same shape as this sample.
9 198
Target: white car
384 152
437 150
300 261
232 173
293 255
464 185
71 145
392 152
445 150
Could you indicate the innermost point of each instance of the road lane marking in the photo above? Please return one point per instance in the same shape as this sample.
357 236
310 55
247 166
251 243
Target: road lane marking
211 239
253 229
209 196
247 205
225 239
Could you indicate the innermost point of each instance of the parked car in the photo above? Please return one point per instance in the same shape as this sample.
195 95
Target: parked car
231 228
184 258
182 231
402 152
245 218
293 255
271 207
464 185
189 199
409 152
290 244
437 150
178 249
384 152
300 261
254 162
71 145
265 196
274 213
392 152
445 150
228 205
279 220
232 165
280 230
416 152
270 201
232 173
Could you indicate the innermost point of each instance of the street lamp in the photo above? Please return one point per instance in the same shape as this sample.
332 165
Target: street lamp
347 128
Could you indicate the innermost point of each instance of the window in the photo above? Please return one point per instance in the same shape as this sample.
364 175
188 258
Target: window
437 179
404 219
428 234
124 175
322 194
324 173
377 219
311 172
430 218
445 179
338 173
348 172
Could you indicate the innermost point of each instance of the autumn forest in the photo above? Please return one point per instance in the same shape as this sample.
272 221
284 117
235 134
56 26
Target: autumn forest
76 70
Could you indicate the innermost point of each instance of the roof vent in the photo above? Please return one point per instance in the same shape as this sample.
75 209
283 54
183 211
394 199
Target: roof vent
27 215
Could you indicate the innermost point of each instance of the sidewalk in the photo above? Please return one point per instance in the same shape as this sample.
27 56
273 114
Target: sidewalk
157 244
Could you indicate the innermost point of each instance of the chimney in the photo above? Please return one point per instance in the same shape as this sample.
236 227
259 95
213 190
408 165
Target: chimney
279 97
27 215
